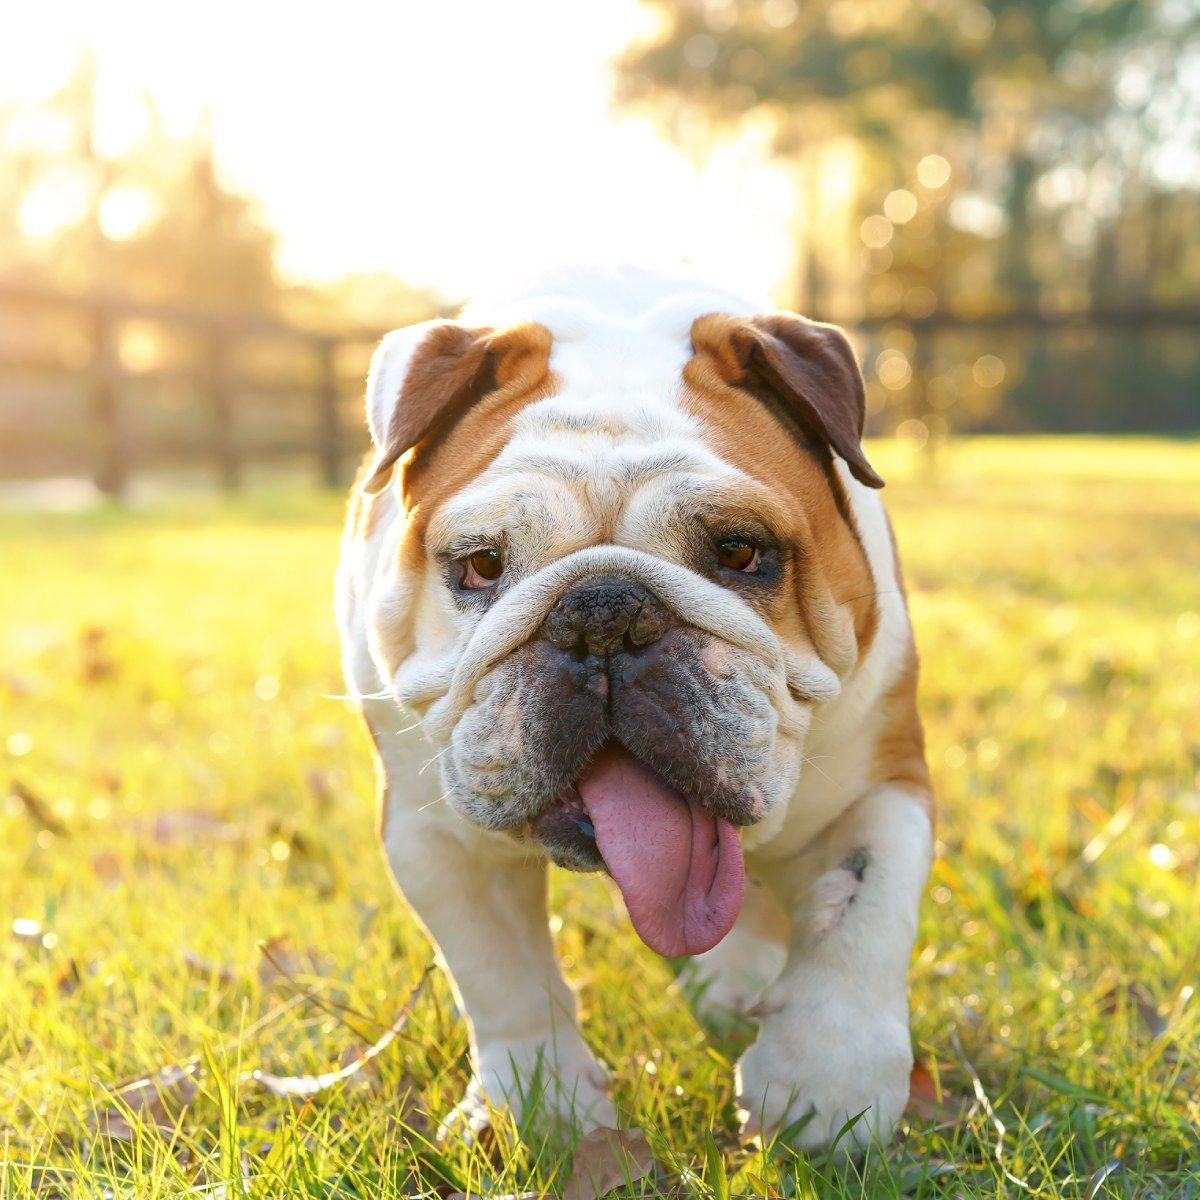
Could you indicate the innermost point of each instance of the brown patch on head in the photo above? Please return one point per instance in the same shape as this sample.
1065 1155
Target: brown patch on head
804 371
453 372
900 746
460 394
749 428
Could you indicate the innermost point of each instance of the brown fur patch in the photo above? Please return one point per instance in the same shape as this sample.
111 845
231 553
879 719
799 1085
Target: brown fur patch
832 567
451 372
900 745
442 467
806 372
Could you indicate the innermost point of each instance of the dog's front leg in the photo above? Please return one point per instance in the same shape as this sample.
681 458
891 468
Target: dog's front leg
834 1040
485 908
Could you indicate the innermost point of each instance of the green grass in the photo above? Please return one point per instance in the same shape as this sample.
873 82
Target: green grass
183 659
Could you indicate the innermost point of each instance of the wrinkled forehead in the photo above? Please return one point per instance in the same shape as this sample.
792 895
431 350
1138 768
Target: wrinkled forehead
614 454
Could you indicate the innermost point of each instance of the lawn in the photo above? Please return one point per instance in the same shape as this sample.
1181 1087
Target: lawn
181 782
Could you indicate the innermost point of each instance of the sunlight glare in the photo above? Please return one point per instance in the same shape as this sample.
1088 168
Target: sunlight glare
124 211
370 150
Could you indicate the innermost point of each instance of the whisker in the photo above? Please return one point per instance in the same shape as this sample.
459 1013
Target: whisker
809 762
429 763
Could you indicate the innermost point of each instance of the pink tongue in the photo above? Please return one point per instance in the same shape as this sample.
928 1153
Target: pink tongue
679 868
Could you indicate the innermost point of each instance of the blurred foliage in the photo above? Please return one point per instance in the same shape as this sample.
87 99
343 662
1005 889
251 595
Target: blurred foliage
955 155
156 222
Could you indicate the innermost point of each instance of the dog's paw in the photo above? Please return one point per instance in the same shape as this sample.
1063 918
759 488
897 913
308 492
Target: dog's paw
827 1051
542 1086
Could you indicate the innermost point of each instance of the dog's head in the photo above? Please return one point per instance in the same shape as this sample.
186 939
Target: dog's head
624 571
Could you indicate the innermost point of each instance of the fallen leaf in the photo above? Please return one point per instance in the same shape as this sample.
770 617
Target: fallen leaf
151 1102
302 1087
18 685
69 978
282 962
37 809
1137 997
110 781
106 866
318 785
208 970
186 825
112 1124
160 1096
98 663
606 1159
925 1103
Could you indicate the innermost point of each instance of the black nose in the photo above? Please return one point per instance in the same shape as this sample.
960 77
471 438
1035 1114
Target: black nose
604 614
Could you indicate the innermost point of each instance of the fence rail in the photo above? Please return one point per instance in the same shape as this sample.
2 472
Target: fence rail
217 383
216 380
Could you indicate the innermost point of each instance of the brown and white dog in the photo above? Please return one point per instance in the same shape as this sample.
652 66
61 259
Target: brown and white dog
620 577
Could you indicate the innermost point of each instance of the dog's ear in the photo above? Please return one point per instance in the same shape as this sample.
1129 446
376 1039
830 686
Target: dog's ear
424 377
807 372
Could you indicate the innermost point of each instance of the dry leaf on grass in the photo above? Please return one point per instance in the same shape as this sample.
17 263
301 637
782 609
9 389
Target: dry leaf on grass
1135 997
153 1101
37 809
925 1104
281 961
301 1087
106 866
185 825
68 979
607 1159
319 786
203 968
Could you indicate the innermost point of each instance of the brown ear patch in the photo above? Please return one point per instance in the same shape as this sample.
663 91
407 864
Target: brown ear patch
805 372
452 370
831 571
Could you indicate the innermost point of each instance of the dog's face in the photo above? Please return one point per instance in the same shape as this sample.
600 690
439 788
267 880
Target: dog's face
621 577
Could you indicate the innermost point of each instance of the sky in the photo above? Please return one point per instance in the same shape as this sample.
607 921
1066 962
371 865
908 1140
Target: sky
454 142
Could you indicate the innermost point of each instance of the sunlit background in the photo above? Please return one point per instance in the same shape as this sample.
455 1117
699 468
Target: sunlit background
206 221
209 214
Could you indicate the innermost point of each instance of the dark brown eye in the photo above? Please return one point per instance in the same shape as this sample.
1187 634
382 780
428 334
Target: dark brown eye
737 554
482 569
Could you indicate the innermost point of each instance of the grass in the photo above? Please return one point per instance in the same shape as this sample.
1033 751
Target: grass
183 786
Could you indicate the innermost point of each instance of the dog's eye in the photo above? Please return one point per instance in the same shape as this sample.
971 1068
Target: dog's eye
738 554
482 569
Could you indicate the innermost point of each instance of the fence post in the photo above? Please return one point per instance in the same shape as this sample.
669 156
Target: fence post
328 427
224 444
109 469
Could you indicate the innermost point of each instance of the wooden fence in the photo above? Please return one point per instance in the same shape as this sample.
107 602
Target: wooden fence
217 382
333 368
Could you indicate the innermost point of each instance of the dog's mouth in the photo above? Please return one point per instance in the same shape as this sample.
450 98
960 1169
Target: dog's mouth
680 868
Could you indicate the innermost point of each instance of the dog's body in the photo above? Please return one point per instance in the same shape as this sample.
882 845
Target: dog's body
631 601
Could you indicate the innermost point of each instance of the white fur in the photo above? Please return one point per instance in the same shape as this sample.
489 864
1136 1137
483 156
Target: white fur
834 1033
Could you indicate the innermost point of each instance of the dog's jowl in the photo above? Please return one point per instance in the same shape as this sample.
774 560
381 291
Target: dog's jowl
619 570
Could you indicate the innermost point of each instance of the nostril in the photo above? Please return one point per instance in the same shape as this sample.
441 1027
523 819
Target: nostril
648 625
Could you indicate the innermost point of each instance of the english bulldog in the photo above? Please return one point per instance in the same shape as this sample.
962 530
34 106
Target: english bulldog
618 592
